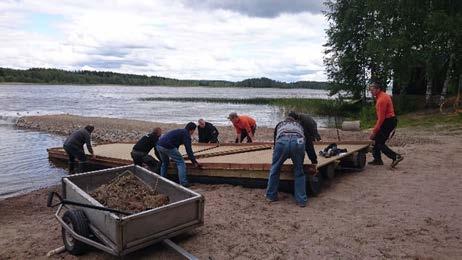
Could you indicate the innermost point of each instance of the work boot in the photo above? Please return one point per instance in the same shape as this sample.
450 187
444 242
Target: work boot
271 200
375 162
398 159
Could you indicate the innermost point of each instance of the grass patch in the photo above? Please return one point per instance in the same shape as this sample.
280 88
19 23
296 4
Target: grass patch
414 120
430 120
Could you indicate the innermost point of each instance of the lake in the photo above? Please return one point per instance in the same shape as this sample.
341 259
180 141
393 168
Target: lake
23 156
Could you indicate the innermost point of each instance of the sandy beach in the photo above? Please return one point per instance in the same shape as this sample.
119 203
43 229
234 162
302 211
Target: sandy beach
412 212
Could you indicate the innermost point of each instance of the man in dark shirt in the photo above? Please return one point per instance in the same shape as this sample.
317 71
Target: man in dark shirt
310 129
208 133
73 146
140 152
167 146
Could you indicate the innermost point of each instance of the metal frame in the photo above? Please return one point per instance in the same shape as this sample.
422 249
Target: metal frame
125 234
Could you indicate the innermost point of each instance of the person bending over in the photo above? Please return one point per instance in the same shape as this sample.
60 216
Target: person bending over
289 143
140 151
245 127
168 145
208 133
73 146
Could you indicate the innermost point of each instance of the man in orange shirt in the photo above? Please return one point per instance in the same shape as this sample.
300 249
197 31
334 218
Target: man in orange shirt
384 127
245 127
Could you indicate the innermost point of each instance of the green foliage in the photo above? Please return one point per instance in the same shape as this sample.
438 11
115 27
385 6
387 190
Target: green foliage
55 76
392 40
367 116
269 83
430 120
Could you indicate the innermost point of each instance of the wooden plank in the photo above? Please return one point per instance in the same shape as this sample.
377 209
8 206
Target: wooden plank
243 162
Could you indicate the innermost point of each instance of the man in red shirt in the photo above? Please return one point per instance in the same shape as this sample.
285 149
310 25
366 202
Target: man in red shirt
245 127
384 127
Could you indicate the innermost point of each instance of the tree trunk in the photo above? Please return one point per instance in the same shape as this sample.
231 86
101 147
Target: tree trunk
444 91
428 77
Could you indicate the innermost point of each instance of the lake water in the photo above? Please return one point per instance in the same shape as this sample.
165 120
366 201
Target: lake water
23 157
124 102
24 164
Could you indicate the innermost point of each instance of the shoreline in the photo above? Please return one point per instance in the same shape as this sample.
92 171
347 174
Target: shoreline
111 130
148 86
413 211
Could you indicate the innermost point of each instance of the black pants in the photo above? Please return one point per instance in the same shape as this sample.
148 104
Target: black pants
244 134
381 137
210 139
141 157
73 153
309 148
214 139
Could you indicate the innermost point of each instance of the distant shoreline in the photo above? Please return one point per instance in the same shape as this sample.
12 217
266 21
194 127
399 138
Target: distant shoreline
87 77
147 86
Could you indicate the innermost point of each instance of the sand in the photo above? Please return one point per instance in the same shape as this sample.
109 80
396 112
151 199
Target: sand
413 211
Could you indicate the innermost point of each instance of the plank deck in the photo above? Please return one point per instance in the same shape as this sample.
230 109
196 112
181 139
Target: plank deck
251 161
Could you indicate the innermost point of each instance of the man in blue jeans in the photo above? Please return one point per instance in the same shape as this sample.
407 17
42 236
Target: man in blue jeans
289 142
167 146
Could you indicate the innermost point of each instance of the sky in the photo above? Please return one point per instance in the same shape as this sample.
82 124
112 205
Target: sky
184 39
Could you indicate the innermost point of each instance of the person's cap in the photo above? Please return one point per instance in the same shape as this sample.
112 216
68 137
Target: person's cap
232 115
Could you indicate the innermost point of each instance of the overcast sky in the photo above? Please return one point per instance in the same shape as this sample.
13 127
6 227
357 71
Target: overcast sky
185 39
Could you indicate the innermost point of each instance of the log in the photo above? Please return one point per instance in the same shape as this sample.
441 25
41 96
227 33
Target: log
351 126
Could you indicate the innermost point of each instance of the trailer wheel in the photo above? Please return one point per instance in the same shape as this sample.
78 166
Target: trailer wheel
314 185
328 171
77 221
360 160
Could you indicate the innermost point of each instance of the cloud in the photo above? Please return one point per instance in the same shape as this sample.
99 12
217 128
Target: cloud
260 8
164 38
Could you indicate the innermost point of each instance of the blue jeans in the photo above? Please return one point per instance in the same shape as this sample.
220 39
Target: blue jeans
165 155
294 148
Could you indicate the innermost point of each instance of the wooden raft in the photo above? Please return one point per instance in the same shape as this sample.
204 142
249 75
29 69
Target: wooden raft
246 161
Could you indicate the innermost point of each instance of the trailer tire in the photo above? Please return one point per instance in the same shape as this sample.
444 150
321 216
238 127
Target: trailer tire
78 222
314 185
360 160
328 171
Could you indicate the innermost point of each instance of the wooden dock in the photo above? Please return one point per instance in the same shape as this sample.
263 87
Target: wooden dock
235 163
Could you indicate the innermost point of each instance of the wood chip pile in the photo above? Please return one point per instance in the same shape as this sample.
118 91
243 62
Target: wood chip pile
128 193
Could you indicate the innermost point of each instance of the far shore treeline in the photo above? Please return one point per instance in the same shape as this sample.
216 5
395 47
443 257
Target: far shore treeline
57 76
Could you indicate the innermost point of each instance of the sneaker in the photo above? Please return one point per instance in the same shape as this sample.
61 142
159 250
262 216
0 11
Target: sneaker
375 162
271 200
186 185
301 205
398 159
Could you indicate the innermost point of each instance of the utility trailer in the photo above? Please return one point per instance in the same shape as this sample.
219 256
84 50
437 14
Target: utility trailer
88 222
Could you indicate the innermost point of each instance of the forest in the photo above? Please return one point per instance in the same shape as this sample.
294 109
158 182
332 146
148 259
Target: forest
412 46
57 76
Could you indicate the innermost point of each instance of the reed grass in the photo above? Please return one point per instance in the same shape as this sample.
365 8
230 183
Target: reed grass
314 106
